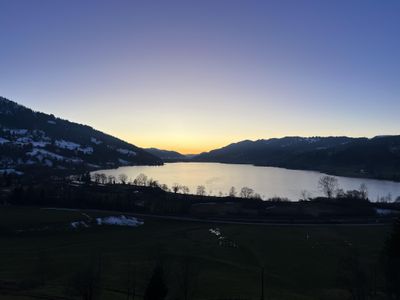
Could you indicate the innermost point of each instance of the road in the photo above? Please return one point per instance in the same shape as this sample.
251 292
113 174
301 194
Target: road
336 222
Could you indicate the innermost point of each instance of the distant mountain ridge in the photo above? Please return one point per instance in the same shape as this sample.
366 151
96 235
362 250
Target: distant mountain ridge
378 157
166 154
34 140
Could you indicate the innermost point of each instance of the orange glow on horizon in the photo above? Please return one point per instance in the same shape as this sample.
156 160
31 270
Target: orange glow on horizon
190 146
183 149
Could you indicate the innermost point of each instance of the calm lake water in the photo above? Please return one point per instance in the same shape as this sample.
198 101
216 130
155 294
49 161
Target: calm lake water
267 181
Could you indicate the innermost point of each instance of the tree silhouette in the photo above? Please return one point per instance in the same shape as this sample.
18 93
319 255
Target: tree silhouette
246 192
141 179
176 187
157 288
328 185
123 178
232 192
391 256
201 190
185 189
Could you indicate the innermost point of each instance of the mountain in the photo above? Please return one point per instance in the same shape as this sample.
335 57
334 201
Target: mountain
37 141
166 154
378 157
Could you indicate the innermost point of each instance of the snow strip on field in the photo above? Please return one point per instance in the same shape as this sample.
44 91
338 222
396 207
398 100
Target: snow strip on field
215 231
79 224
111 220
120 221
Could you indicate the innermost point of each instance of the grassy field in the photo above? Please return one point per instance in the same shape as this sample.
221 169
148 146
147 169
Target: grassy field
301 262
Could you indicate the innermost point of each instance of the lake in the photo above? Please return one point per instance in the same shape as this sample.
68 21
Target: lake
267 181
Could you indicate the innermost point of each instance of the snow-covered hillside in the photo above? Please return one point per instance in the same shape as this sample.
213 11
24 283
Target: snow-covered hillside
31 139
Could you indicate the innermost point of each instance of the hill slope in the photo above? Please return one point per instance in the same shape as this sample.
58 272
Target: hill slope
378 157
32 140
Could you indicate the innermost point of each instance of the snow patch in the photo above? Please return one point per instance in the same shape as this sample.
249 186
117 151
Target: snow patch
67 145
28 140
10 171
223 241
79 224
386 211
86 150
123 162
17 131
48 162
215 231
93 165
40 144
120 221
95 141
41 153
126 152
3 140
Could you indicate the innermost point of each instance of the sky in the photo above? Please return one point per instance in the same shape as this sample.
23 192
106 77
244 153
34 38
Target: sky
192 76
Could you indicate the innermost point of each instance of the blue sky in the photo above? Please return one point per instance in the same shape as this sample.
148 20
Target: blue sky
196 75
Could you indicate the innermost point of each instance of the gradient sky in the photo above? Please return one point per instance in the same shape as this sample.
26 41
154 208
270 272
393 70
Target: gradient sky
196 75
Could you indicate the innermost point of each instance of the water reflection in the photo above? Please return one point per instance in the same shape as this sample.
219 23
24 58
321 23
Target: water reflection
267 181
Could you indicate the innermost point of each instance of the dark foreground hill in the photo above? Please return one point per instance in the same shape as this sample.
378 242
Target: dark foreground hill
36 141
378 157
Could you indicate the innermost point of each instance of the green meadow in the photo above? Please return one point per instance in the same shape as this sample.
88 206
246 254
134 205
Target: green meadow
40 254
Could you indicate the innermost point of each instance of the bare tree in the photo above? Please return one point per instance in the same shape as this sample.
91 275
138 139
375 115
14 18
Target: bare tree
340 193
305 195
123 178
103 178
164 187
176 187
201 190
111 179
256 196
232 192
141 179
364 191
246 192
328 185
96 177
185 189
153 183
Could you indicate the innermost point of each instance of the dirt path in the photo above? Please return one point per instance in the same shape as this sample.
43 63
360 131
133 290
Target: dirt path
337 222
